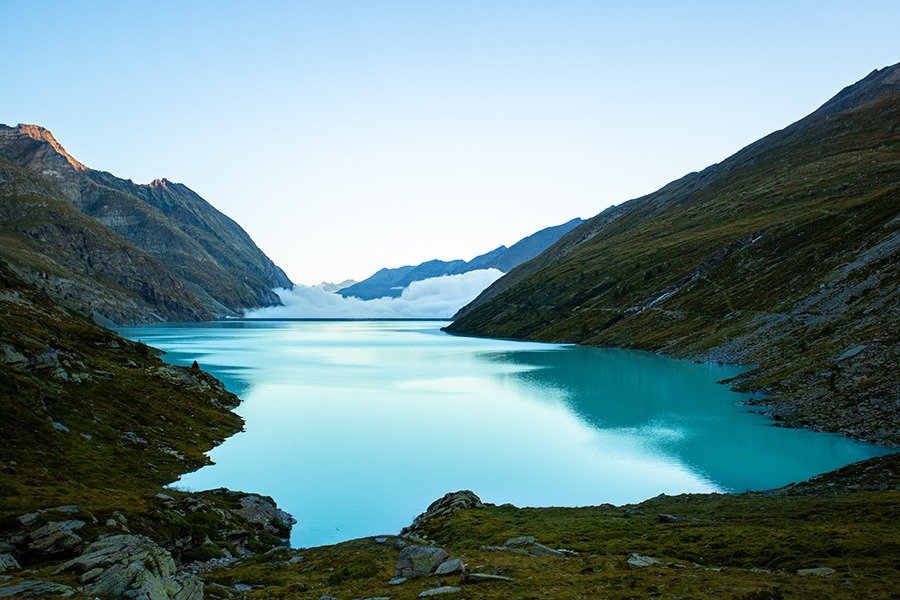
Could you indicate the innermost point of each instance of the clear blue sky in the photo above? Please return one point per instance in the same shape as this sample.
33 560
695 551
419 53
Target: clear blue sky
349 135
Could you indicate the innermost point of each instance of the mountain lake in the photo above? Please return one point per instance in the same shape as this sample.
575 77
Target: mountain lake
355 427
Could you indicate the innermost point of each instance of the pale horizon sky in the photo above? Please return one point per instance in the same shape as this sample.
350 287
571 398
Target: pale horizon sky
346 136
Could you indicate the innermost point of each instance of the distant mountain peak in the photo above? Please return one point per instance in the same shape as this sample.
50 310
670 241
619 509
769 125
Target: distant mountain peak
42 134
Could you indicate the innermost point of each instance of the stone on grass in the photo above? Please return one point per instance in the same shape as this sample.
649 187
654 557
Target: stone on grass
820 571
542 550
664 518
636 561
132 566
419 561
484 577
444 589
453 566
518 542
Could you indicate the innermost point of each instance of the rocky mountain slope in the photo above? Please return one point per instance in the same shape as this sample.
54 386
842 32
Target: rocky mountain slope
784 256
391 281
166 253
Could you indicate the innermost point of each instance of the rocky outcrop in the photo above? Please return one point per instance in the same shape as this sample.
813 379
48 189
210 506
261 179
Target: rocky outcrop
446 505
109 561
130 566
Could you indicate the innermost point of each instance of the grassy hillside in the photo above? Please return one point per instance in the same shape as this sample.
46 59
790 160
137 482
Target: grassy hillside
93 427
784 256
90 418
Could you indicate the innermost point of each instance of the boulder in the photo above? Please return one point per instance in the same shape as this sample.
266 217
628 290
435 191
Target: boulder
260 511
636 561
542 550
449 503
8 562
518 542
132 566
56 537
444 589
454 566
419 561
664 518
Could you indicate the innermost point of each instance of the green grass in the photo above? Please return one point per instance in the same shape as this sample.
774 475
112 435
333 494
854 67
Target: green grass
134 424
745 546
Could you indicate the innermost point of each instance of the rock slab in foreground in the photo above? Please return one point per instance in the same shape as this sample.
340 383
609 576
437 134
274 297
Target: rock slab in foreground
132 566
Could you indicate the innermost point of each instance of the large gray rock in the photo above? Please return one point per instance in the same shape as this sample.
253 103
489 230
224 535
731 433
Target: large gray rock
56 537
419 561
8 562
454 566
261 512
518 542
449 503
132 566
36 589
542 550
124 548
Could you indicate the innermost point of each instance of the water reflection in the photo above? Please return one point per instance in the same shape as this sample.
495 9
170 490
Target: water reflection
355 427
677 409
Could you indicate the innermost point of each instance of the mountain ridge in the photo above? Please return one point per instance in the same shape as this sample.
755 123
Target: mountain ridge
391 282
783 256
221 270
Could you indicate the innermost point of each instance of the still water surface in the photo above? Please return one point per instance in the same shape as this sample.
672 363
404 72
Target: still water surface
354 427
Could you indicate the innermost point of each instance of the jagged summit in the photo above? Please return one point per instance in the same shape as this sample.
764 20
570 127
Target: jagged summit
36 148
42 134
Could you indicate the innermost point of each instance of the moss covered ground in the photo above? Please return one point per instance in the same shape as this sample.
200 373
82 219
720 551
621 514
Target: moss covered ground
747 546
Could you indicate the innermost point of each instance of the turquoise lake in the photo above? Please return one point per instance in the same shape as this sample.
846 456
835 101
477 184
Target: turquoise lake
355 427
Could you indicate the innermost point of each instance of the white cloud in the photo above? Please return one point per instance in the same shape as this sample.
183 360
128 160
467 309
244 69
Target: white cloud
435 298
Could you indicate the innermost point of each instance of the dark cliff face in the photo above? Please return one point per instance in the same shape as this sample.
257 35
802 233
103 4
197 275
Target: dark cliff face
784 256
217 268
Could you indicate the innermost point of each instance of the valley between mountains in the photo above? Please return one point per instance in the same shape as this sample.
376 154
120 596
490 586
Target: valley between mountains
783 256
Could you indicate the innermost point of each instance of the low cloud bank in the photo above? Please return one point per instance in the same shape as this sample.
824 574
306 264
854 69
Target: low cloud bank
435 298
